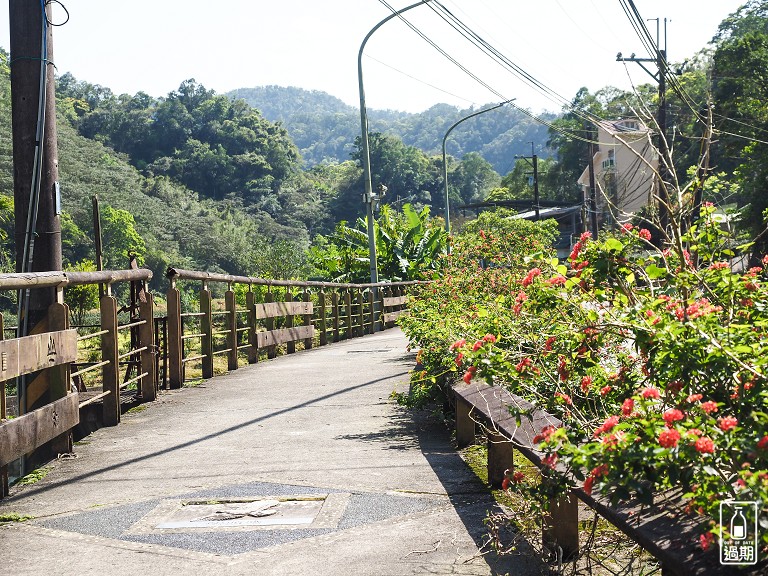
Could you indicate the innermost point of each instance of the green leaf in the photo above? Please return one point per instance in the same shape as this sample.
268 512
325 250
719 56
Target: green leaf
655 272
614 245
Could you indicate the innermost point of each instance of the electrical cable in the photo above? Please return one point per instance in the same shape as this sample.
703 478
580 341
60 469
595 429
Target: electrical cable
34 194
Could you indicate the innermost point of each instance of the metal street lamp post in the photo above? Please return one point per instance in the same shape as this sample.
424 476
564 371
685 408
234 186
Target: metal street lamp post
445 161
369 197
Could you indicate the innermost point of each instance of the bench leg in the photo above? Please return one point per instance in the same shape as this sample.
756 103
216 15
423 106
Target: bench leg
465 426
561 525
500 458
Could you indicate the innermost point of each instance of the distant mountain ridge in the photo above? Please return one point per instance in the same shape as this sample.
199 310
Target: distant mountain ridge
324 128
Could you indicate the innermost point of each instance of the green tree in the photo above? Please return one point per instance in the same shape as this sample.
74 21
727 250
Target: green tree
81 299
119 238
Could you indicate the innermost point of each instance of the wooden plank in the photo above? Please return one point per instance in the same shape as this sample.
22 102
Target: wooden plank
392 316
395 301
290 346
25 433
173 334
32 353
277 309
110 378
283 335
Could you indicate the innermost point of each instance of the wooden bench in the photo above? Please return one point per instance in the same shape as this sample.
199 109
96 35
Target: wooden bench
662 529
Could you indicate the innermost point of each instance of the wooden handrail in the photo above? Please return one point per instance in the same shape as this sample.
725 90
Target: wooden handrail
16 280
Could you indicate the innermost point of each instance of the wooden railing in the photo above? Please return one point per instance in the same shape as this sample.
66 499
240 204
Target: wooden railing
268 316
63 385
252 319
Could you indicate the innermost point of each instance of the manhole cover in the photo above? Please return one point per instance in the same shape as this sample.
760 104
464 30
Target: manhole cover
226 514
265 513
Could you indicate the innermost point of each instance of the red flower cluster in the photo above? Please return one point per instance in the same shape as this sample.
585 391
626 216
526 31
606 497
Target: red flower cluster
558 280
567 399
607 426
546 432
469 374
627 407
671 416
458 344
704 445
601 470
645 234
727 423
762 444
649 393
709 406
528 280
669 438
586 383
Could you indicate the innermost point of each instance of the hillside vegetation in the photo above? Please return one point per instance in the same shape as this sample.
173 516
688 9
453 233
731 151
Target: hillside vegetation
324 128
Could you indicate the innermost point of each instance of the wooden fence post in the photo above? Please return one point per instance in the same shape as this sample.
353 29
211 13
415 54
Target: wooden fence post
290 346
465 424
360 314
230 304
110 374
253 350
335 304
321 319
371 311
348 313
270 324
308 320
206 329
147 338
3 469
173 334
561 525
382 291
500 458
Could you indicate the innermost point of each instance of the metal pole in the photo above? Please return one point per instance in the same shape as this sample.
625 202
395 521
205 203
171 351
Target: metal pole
365 152
445 162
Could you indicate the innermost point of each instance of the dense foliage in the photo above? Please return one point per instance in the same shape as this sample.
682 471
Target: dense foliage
409 246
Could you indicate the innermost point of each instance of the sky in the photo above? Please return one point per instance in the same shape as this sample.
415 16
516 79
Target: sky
154 45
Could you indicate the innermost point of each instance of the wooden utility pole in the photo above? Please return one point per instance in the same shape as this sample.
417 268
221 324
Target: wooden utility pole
660 59
592 200
35 165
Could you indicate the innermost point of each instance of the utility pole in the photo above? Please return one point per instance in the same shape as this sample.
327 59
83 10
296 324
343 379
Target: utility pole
37 201
533 160
660 76
592 203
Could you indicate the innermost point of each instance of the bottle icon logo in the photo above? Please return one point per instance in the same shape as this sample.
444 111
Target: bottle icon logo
738 533
738 525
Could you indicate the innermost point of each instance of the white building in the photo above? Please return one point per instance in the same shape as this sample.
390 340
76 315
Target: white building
625 164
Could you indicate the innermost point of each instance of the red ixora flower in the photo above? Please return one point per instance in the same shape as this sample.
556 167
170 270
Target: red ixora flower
627 407
694 398
709 406
586 382
469 374
607 425
546 432
649 393
706 540
550 460
604 390
458 344
645 234
669 438
762 444
672 415
530 276
704 445
626 227
727 423
567 399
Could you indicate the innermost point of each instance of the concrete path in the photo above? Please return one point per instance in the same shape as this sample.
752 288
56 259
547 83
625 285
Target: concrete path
350 483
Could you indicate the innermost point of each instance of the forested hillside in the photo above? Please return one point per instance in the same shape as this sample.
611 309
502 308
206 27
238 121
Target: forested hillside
323 127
